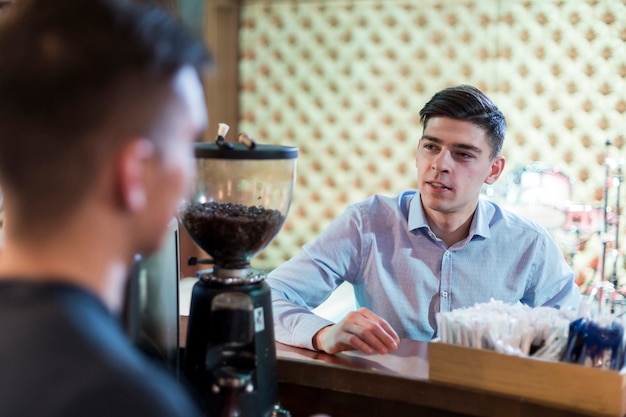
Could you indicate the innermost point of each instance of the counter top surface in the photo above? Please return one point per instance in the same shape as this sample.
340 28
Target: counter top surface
409 361
397 384
355 384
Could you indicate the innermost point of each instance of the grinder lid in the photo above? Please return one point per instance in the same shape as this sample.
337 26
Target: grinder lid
210 150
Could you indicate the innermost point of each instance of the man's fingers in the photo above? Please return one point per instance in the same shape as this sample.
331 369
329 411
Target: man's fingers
373 331
356 342
376 337
361 330
390 331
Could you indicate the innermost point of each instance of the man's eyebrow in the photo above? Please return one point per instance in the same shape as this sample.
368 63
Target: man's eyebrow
454 145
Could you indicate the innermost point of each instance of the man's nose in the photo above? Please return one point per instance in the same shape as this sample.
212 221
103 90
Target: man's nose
442 161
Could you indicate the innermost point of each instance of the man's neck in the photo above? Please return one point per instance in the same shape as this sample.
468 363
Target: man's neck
69 259
450 228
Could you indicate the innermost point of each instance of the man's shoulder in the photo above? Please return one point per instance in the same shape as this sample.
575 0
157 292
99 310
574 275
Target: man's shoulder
386 202
506 217
73 335
382 213
132 391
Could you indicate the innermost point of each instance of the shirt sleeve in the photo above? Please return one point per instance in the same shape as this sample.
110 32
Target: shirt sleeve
554 285
306 280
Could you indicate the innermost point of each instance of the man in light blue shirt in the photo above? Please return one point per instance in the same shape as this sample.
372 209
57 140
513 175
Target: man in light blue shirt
423 252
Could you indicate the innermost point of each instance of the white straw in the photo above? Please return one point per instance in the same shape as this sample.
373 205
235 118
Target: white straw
222 129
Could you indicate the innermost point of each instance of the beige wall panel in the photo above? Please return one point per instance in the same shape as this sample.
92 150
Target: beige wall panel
344 81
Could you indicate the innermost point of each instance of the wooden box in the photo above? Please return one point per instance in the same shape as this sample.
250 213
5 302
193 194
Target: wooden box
583 389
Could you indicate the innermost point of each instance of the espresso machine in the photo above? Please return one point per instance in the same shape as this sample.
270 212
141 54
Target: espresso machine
242 195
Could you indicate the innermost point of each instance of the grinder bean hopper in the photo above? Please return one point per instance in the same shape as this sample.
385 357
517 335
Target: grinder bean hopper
242 195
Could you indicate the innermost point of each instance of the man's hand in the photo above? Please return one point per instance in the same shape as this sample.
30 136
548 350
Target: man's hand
359 330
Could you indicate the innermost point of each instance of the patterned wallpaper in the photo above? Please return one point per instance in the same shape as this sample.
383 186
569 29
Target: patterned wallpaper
344 81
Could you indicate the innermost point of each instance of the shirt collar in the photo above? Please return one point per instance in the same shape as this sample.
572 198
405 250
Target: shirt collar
417 217
480 223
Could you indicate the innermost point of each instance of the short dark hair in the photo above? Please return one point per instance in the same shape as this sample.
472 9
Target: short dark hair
468 103
4 3
72 71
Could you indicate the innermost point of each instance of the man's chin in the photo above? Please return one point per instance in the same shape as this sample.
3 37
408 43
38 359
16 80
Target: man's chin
152 246
159 238
437 203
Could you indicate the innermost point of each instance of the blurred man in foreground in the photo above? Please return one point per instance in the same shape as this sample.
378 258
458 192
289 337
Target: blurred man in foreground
100 102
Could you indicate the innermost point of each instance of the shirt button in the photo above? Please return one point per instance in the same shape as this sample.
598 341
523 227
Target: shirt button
444 294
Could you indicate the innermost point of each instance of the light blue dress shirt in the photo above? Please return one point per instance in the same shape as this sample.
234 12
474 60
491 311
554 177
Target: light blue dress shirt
401 271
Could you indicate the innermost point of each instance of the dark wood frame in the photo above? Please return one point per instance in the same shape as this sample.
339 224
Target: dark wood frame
221 33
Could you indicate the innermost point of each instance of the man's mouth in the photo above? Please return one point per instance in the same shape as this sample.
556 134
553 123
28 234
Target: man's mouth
438 185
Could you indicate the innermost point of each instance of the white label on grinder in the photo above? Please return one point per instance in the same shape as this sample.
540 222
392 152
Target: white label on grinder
259 320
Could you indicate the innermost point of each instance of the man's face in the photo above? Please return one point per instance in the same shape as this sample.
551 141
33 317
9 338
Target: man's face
175 167
453 162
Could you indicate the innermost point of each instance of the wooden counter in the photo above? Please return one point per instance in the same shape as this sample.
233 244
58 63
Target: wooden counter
351 384
394 385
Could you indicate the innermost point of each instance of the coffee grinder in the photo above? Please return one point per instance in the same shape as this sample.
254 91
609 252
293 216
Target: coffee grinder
242 196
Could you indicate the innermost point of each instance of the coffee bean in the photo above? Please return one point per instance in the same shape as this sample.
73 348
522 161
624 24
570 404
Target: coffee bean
231 233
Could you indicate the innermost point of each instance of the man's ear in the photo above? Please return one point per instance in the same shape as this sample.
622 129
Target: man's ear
133 165
497 166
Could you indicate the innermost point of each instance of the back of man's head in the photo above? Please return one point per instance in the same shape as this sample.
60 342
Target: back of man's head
75 77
